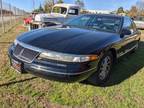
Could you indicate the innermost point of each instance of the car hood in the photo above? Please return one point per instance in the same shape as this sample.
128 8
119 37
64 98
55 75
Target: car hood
68 40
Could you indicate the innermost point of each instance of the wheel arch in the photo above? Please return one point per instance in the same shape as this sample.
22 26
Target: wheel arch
114 53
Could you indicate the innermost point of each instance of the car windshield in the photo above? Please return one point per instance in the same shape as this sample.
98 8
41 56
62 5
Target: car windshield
60 10
97 22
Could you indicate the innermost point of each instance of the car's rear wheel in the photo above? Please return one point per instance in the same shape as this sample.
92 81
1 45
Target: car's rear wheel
103 72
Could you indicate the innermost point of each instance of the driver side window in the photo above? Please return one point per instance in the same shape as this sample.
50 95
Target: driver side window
128 25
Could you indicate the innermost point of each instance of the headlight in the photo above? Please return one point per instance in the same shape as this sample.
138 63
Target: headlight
67 57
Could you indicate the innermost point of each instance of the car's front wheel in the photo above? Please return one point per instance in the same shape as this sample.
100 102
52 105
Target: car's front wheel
103 72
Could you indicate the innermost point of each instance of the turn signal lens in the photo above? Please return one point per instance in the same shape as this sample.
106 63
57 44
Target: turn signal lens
93 57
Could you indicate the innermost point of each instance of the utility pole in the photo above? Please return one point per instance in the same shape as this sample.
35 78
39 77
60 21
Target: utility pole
53 2
33 4
1 12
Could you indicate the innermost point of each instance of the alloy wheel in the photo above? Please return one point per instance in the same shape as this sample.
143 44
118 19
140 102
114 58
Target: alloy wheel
105 68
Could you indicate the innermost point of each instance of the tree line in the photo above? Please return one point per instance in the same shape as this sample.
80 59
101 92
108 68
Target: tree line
48 4
137 10
133 12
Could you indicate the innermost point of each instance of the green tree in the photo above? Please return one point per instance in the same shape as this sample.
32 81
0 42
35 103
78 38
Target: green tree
120 10
48 4
80 3
60 1
40 9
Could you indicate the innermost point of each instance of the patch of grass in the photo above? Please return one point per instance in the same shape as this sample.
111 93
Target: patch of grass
124 89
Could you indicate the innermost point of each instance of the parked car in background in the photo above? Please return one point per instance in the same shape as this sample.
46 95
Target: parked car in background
139 21
59 14
84 48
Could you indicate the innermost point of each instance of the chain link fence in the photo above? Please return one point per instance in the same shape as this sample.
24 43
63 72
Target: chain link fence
9 16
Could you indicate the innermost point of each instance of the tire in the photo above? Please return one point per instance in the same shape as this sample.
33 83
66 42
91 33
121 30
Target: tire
103 71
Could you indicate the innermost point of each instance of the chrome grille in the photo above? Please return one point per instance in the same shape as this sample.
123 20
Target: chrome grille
18 50
25 54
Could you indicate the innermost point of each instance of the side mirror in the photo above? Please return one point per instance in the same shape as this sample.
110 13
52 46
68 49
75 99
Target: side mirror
125 32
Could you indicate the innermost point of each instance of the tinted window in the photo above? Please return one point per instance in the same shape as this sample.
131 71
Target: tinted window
94 22
73 12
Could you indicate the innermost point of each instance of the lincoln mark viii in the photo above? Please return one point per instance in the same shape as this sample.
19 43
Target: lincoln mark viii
83 48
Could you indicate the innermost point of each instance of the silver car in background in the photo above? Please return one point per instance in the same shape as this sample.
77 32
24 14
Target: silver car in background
139 21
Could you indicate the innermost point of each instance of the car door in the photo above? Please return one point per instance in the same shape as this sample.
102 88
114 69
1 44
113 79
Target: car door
136 34
129 42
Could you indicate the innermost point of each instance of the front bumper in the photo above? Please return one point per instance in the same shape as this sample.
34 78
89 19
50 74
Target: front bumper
58 71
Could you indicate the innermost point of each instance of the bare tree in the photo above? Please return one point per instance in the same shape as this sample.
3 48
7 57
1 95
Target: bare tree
133 12
140 7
